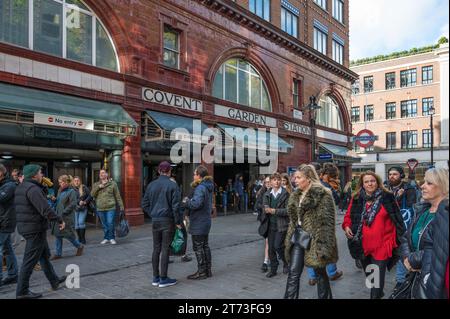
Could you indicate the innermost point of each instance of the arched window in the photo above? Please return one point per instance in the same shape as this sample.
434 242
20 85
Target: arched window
239 82
65 28
329 114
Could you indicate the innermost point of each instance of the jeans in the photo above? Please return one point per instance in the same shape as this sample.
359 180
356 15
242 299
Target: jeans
59 244
295 271
6 249
276 248
36 249
107 218
331 271
163 233
401 272
376 293
80 219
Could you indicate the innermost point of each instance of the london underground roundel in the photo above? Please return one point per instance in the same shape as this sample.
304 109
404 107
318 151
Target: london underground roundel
365 138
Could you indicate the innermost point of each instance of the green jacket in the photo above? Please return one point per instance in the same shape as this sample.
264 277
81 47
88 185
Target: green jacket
106 197
65 208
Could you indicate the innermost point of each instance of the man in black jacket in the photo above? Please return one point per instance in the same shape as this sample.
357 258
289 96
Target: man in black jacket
33 214
162 202
7 226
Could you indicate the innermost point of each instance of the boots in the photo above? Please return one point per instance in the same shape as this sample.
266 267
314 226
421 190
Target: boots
201 261
208 261
82 234
323 284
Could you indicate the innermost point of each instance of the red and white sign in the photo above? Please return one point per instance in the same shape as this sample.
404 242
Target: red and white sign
365 138
412 164
63 121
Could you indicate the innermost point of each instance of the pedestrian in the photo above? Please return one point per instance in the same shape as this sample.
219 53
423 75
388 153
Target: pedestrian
7 226
374 228
33 214
435 197
239 193
162 202
108 200
259 208
66 203
200 210
406 196
275 203
309 208
286 183
84 198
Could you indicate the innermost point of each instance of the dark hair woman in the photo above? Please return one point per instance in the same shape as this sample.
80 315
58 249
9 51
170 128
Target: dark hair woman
374 227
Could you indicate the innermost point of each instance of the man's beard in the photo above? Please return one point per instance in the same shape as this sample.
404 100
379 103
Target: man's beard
395 183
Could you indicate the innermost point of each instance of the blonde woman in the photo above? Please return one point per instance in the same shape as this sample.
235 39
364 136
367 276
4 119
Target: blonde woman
66 204
286 183
84 197
309 210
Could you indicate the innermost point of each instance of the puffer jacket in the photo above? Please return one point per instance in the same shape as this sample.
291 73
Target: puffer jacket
200 207
280 210
318 217
435 257
7 208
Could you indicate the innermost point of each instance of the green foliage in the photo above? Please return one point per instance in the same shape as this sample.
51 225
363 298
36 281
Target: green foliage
443 40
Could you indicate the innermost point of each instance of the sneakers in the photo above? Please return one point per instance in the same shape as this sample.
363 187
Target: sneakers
264 267
155 281
336 276
113 242
60 280
104 241
29 295
167 282
186 258
9 280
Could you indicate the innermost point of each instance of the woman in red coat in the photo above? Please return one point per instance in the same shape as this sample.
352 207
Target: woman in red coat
374 226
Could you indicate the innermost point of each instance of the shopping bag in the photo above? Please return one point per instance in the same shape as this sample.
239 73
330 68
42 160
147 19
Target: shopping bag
177 242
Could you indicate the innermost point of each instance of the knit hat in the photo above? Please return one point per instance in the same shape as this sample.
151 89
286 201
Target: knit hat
30 170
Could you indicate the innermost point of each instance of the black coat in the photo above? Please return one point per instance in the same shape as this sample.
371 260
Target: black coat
85 198
280 210
7 208
32 209
435 255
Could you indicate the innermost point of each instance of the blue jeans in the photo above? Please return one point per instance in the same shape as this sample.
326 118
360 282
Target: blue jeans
107 219
59 244
80 219
331 271
11 261
400 272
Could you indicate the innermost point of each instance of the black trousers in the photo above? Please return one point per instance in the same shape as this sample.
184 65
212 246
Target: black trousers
202 252
185 237
163 233
36 249
376 293
276 248
295 271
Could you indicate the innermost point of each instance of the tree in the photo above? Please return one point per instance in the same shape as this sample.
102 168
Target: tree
442 40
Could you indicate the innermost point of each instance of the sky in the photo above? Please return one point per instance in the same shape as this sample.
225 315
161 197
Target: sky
386 26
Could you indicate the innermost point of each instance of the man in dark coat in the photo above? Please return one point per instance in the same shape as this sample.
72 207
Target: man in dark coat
33 216
7 226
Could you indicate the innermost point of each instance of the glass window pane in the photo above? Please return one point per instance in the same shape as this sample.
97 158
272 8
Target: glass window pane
283 19
265 103
243 65
289 23
79 36
78 3
256 92
48 27
244 88
106 57
295 27
218 84
14 22
232 62
230 84
170 58
170 39
266 10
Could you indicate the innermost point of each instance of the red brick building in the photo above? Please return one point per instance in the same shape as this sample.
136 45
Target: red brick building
115 76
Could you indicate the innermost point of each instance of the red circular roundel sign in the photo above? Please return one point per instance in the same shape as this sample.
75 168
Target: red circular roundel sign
365 138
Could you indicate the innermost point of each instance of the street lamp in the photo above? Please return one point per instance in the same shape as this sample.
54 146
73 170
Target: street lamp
431 112
312 107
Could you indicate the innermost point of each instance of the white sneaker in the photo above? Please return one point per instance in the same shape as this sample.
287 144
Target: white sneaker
104 241
113 242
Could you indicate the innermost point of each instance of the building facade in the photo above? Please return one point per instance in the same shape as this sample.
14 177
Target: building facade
91 84
396 99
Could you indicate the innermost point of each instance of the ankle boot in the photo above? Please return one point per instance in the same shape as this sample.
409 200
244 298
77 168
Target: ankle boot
201 263
208 261
78 234
82 236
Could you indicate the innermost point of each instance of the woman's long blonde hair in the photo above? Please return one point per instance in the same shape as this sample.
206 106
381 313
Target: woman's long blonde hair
289 187
80 188
310 173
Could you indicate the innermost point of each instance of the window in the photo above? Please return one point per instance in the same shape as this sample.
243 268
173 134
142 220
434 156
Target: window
408 78
171 56
390 81
391 140
368 113
320 41
390 111
338 10
368 84
409 139
338 52
321 3
355 114
261 8
64 28
427 104
355 87
329 114
239 82
289 22
409 108
427 74
296 93
426 138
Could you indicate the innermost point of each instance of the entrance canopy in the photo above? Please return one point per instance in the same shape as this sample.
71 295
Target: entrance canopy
339 153
20 104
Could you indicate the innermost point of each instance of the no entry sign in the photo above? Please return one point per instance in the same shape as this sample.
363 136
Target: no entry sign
365 138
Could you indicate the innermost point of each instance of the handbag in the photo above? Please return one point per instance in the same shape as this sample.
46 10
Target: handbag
263 228
411 288
177 242
355 244
301 237
123 228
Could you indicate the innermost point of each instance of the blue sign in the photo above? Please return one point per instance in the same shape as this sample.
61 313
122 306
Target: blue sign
365 138
291 170
325 156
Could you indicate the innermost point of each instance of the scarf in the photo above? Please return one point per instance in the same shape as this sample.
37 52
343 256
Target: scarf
371 212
